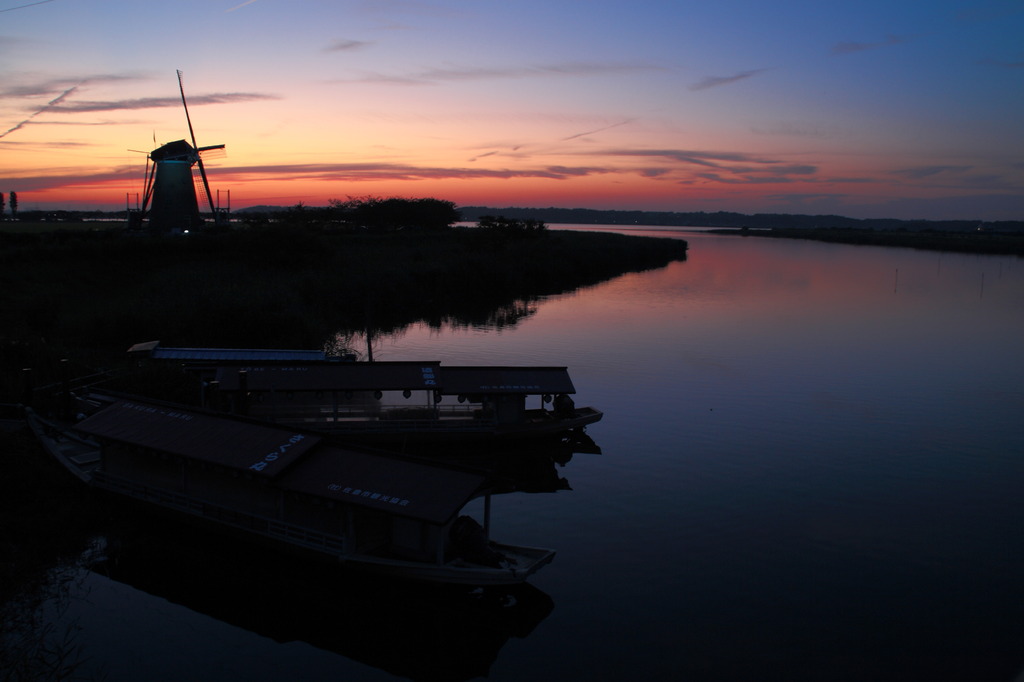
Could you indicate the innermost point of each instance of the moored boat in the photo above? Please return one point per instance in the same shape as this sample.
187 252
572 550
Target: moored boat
385 402
292 488
407 401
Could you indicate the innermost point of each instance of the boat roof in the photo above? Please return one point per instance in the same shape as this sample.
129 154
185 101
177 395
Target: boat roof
532 380
397 376
263 450
288 459
154 350
422 491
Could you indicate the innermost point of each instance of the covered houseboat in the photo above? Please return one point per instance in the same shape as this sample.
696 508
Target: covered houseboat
385 401
292 488
422 401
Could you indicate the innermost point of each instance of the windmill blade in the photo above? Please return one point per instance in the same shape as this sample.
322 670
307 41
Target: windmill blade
213 151
148 188
206 184
192 134
181 87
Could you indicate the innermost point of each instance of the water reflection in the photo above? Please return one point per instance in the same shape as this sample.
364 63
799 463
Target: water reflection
422 632
811 472
416 631
363 343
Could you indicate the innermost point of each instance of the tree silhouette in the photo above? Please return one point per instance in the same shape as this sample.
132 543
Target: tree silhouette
14 204
391 214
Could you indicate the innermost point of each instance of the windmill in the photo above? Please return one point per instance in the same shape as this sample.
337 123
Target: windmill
170 185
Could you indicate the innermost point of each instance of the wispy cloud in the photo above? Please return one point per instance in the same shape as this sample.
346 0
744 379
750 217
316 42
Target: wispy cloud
717 166
159 102
744 179
473 73
689 166
36 145
805 129
920 172
240 6
31 4
47 88
63 177
62 100
671 165
696 157
55 102
597 130
849 47
80 123
364 172
346 45
716 81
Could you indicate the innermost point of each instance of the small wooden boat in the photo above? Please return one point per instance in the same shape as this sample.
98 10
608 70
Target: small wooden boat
369 510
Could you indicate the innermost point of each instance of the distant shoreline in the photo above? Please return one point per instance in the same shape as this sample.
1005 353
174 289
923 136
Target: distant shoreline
988 243
727 219
624 218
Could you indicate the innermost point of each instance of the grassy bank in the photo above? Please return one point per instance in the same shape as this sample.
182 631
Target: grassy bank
89 295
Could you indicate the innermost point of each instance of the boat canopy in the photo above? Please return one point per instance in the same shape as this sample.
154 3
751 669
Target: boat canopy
155 351
261 449
293 461
422 491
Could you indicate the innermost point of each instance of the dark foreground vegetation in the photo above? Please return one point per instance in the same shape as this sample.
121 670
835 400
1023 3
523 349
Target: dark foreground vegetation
88 295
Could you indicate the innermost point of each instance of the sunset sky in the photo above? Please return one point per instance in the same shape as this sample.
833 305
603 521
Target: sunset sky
902 108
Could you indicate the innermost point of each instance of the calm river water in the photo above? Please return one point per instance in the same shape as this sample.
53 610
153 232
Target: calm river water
812 468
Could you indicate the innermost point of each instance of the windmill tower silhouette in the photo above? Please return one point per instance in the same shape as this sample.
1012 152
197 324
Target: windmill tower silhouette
170 185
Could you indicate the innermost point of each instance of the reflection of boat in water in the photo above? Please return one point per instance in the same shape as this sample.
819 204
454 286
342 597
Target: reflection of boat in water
385 402
414 630
370 510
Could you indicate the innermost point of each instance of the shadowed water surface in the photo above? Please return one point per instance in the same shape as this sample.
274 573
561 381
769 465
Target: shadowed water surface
812 470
